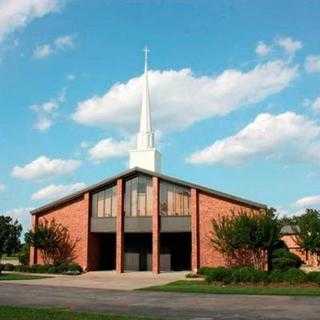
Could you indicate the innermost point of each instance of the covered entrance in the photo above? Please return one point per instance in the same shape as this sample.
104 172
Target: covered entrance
138 252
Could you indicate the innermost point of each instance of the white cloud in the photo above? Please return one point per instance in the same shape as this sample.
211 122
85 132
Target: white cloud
286 135
312 63
262 49
316 104
42 51
308 202
16 14
44 167
22 215
289 45
59 44
2 187
57 191
109 148
180 98
71 77
46 112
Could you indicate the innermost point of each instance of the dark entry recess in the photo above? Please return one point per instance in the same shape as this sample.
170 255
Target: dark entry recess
138 252
107 249
175 251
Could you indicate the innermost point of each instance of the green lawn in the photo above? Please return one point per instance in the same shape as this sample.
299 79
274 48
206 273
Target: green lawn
203 287
17 276
18 313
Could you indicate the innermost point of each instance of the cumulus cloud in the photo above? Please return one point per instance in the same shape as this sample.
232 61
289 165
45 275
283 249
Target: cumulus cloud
312 63
22 215
308 202
59 44
316 104
262 49
180 98
287 135
57 191
289 45
44 167
2 187
17 14
109 148
46 112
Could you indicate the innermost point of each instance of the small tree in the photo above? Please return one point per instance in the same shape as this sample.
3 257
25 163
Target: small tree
246 238
307 231
10 232
54 242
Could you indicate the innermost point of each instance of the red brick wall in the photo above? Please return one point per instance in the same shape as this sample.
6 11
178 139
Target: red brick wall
308 259
212 207
74 215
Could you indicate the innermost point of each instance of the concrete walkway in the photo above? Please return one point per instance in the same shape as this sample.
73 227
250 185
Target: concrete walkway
163 305
107 280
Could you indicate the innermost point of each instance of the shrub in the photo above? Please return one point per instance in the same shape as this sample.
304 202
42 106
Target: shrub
292 276
24 254
248 274
313 277
8 267
218 274
47 268
283 260
204 270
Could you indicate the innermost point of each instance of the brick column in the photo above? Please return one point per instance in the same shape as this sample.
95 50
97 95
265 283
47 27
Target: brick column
155 226
120 227
33 251
194 230
87 236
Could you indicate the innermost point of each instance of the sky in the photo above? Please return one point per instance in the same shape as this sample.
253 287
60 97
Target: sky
234 85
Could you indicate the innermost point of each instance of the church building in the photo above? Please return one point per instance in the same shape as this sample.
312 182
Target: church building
142 219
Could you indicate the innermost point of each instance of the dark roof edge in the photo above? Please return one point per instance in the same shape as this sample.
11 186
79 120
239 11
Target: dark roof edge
151 173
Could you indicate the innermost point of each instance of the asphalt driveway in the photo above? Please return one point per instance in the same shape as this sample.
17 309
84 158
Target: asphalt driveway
162 304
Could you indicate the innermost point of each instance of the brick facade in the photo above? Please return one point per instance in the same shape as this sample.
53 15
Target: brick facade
75 215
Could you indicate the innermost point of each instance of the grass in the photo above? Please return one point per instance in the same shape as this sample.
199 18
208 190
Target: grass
17 276
19 313
216 288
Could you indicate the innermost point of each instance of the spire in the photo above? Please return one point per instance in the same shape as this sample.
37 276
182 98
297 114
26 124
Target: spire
145 136
145 156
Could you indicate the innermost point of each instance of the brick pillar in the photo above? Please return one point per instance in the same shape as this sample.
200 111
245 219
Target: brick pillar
194 230
155 226
120 227
33 251
86 264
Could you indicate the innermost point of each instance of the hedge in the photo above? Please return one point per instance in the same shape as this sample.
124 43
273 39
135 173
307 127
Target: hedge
70 268
251 275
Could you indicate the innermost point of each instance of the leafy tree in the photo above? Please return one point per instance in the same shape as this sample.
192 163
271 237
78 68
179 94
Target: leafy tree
10 232
307 231
246 238
54 242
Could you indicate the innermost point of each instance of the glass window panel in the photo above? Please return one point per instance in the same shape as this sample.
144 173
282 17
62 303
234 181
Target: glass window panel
149 198
134 197
186 198
170 200
100 204
94 205
107 202
163 198
114 202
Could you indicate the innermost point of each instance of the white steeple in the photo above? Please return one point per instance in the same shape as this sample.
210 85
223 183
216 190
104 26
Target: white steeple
145 155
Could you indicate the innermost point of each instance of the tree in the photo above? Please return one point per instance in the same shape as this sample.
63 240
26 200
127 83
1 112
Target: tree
307 231
246 238
10 232
54 242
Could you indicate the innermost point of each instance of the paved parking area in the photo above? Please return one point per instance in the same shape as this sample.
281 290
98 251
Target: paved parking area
107 280
163 305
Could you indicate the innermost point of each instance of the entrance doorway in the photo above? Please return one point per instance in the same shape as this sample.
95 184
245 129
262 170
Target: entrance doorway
138 252
107 249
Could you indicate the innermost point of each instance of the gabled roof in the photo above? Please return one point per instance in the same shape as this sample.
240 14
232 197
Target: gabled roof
133 171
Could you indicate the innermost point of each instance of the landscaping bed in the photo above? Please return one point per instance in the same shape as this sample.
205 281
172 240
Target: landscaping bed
287 289
17 276
19 313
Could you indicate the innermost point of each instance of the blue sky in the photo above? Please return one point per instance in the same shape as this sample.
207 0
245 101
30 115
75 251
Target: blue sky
234 92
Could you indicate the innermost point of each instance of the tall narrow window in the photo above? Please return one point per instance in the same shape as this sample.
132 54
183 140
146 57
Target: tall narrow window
138 194
174 200
104 203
